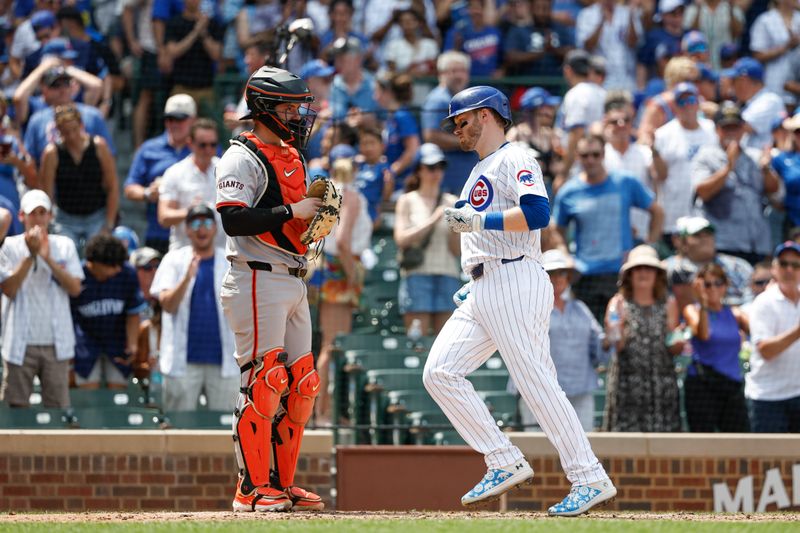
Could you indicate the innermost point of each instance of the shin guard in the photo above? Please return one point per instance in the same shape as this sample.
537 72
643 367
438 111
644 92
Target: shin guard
264 381
289 425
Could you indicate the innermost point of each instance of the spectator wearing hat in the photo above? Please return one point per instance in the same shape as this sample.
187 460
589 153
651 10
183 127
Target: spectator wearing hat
145 260
641 385
674 146
30 34
196 345
39 273
774 38
106 316
353 88
154 157
772 385
583 106
695 242
318 75
479 38
613 31
660 108
533 44
340 14
59 47
393 94
536 130
714 392
80 174
429 272
760 105
599 203
708 86
191 181
575 341
661 42
721 21
694 45
453 71
731 184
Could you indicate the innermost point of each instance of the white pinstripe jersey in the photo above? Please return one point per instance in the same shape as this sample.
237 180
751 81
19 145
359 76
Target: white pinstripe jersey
495 184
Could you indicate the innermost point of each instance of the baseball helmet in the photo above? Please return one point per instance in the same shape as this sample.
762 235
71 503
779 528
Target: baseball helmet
269 87
476 98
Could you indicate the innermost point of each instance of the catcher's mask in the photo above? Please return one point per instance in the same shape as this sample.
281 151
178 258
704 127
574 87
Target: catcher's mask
269 87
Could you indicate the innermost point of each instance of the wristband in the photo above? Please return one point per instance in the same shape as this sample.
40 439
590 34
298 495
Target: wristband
494 221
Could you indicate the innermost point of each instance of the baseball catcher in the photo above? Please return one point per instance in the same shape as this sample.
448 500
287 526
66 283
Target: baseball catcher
265 207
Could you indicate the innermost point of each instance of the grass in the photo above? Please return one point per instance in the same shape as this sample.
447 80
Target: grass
580 525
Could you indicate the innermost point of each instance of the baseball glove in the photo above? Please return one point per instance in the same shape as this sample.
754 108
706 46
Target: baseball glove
328 213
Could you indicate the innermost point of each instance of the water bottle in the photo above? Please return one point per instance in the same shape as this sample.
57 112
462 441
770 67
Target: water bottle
415 330
614 326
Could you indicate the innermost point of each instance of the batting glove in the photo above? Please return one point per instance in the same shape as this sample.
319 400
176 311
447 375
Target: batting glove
463 219
460 296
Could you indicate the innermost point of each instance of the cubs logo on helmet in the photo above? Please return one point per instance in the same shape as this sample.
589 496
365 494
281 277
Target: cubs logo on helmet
481 194
526 178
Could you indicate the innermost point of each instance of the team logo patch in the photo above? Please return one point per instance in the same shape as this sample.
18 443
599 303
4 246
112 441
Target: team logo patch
481 194
525 177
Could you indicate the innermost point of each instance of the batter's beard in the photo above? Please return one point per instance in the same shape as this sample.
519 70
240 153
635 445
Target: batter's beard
470 136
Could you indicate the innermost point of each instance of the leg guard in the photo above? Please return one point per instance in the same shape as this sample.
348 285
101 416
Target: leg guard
264 381
289 425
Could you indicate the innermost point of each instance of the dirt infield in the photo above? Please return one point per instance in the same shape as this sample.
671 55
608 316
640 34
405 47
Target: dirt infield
106 517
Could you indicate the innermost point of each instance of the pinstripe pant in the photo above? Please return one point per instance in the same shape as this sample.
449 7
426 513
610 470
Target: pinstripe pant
508 310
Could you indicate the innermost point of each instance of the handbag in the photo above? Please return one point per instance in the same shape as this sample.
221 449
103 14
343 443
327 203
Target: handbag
413 256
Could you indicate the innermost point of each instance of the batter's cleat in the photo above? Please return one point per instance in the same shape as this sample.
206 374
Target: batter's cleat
303 500
261 499
497 482
583 497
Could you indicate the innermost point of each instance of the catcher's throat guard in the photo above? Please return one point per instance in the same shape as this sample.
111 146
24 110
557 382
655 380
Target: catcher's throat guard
327 215
264 382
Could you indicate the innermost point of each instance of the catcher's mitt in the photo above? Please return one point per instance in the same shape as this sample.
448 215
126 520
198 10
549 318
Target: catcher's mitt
327 214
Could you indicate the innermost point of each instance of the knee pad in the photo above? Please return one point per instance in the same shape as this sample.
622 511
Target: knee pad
264 381
290 424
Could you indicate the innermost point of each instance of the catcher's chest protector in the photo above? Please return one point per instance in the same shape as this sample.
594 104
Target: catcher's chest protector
286 184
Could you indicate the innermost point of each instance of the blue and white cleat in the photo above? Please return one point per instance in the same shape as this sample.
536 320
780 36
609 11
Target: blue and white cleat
498 481
583 497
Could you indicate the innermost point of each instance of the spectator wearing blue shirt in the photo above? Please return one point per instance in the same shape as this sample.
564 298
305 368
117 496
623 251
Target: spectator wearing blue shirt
106 315
154 157
453 68
787 165
401 131
373 178
14 161
478 39
196 349
599 204
353 88
534 45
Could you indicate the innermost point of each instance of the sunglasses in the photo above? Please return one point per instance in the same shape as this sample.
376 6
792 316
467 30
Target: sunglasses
148 268
620 122
197 223
207 145
687 99
786 264
587 155
761 282
717 283
60 84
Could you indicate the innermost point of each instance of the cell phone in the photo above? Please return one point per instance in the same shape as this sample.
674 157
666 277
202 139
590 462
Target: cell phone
5 147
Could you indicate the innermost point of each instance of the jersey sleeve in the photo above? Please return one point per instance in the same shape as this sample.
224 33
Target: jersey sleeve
640 195
134 301
523 171
137 174
237 179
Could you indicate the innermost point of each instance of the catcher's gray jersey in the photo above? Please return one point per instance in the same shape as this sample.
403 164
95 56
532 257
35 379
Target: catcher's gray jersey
495 184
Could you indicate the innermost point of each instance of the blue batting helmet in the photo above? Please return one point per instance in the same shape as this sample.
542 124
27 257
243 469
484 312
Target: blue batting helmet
476 98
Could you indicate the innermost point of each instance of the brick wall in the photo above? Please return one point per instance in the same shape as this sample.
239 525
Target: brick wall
179 477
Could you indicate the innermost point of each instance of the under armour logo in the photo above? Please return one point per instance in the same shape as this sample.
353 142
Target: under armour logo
288 174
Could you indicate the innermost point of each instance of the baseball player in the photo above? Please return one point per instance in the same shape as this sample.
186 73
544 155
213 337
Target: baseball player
506 306
261 186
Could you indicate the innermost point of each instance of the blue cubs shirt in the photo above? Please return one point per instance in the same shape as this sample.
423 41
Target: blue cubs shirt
369 180
399 125
204 345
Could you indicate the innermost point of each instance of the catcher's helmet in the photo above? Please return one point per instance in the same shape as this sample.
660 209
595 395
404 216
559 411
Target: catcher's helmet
269 87
476 98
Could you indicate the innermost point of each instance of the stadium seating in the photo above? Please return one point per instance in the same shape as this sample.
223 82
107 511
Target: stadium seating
130 418
33 418
197 420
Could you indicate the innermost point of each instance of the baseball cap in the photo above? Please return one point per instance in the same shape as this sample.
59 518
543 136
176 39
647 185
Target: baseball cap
144 256
728 113
199 211
728 51
341 151
430 154
745 66
54 74
180 106
693 225
786 245
43 19
59 47
707 73
536 97
578 60
667 6
70 13
694 42
344 45
685 87
555 259
598 64
127 236
34 198
316 69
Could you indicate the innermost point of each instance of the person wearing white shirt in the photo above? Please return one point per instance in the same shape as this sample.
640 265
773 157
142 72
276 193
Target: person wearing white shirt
190 181
772 385
196 349
676 143
39 273
612 30
774 38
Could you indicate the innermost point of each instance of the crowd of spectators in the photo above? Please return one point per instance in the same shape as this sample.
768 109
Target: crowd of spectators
671 159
